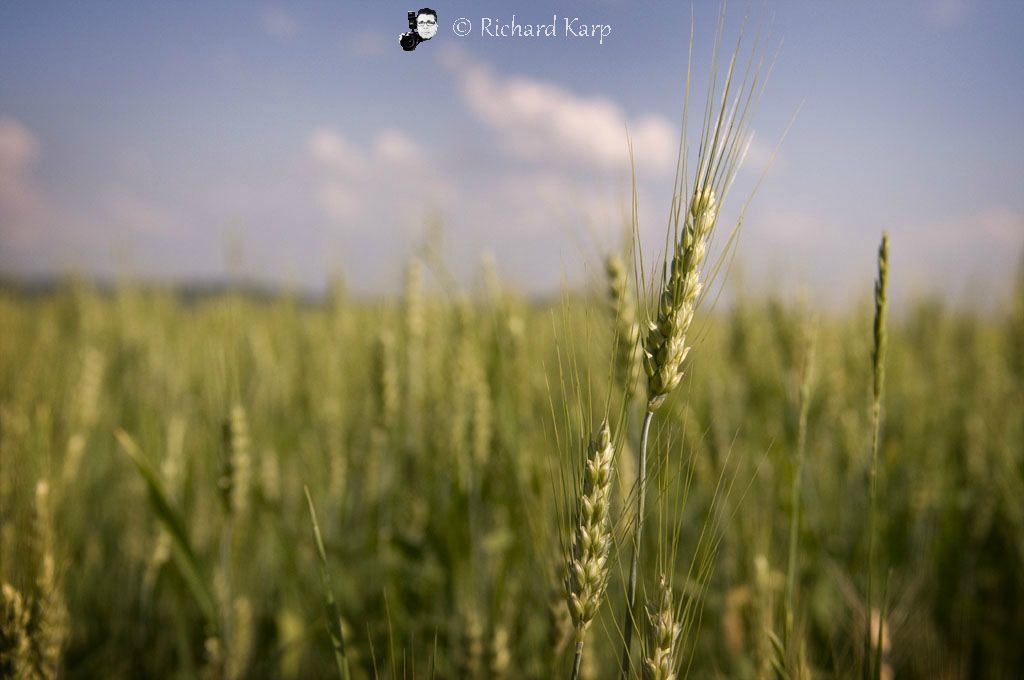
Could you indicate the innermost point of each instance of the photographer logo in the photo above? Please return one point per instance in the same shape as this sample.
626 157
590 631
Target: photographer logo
422 27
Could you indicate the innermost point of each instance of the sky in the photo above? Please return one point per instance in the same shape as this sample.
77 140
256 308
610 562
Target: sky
283 142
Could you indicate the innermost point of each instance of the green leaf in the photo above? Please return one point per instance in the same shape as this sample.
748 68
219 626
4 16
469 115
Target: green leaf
331 607
184 556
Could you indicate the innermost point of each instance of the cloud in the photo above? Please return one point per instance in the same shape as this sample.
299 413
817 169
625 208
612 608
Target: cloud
545 123
538 203
332 151
21 208
354 182
383 192
759 156
339 162
277 23
18 146
395 147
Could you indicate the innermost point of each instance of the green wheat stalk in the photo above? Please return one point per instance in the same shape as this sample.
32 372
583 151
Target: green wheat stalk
683 278
878 373
330 605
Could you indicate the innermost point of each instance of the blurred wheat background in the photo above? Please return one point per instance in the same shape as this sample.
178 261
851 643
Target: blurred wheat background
423 429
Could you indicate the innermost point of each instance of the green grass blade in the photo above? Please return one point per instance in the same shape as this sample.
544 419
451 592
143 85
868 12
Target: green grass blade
184 556
331 607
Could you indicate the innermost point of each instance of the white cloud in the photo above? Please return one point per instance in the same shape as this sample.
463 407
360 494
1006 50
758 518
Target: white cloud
356 183
18 146
383 192
537 203
545 123
20 206
277 23
338 200
759 156
334 152
394 146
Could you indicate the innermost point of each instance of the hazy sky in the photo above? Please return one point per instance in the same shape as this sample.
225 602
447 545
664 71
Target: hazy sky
148 137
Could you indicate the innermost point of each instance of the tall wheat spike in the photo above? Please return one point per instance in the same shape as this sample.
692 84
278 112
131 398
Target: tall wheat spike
872 665
587 561
680 281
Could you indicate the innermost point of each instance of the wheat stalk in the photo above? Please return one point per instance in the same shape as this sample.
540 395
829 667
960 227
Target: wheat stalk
414 335
795 500
626 331
236 472
51 631
330 606
386 383
871 667
725 136
660 659
664 352
587 561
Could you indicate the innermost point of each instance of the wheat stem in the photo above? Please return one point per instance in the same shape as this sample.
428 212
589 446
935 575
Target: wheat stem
794 520
578 659
330 605
637 536
878 374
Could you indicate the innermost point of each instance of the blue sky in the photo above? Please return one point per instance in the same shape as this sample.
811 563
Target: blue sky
146 138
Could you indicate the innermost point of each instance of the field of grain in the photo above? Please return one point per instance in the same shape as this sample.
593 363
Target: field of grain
434 434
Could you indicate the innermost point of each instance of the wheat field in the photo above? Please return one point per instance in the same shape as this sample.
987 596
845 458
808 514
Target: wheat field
433 433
